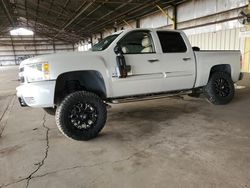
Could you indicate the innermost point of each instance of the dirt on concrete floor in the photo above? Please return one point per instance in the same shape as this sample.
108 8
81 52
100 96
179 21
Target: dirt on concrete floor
161 143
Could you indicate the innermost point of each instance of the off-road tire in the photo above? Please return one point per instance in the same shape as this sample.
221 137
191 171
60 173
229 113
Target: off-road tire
64 111
220 88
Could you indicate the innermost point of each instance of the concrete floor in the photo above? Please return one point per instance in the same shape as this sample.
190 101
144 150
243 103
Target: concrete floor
161 143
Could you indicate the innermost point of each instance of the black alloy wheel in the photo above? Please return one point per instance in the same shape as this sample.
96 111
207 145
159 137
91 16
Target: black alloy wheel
83 115
222 87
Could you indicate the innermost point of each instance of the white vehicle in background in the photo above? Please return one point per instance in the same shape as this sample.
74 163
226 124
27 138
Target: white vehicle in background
131 65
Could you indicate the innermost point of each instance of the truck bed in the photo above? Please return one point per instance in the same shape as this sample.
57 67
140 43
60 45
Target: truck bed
206 59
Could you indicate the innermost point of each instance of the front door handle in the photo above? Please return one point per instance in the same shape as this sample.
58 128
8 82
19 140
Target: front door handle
186 58
153 60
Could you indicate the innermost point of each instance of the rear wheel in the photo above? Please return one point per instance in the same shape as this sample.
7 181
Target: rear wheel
220 88
81 115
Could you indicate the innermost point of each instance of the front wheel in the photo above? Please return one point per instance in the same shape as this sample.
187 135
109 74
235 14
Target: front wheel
81 115
220 88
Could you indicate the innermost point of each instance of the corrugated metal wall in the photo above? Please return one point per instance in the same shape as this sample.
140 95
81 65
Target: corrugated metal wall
219 40
229 39
15 49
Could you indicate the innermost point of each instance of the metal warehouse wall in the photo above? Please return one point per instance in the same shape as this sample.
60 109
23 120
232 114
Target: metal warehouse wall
15 49
219 40
230 39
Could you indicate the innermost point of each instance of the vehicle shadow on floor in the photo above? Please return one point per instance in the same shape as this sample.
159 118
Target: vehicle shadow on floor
137 121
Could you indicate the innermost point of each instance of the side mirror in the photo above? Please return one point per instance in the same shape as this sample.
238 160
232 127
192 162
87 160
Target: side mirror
118 49
195 48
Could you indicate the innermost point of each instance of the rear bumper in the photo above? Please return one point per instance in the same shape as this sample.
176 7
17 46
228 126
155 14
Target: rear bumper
39 94
241 76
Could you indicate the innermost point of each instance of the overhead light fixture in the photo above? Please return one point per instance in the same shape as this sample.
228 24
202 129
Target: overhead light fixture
21 32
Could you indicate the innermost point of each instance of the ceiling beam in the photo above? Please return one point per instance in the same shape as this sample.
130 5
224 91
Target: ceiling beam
50 7
62 11
118 17
99 6
131 14
51 31
75 17
117 2
37 12
117 8
6 10
32 14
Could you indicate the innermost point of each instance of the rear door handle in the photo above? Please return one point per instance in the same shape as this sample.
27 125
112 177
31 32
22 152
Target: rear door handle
186 58
153 60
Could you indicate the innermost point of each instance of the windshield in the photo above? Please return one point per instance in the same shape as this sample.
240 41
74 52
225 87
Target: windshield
103 44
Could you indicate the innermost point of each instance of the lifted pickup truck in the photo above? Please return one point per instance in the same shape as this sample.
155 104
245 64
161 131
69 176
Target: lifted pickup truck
130 65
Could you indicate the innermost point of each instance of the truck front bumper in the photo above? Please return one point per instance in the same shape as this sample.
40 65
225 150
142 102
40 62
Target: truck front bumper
38 94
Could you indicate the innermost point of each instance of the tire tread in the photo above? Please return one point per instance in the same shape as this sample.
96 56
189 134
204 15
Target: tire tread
209 91
89 134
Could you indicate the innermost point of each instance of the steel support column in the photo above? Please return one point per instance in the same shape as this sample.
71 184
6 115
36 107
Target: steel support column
14 51
54 46
175 16
168 16
246 56
138 23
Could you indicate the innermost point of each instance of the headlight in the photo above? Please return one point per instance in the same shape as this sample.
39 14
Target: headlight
37 72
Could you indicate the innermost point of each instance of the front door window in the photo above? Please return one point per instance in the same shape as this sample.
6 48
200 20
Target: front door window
137 42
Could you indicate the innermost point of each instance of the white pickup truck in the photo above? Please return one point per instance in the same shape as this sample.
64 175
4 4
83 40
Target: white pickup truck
130 65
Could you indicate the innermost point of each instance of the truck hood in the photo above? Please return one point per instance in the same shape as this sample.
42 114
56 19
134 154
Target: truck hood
50 57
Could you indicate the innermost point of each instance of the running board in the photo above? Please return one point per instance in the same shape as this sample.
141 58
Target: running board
148 97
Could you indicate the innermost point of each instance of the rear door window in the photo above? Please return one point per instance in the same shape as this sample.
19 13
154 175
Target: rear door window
171 42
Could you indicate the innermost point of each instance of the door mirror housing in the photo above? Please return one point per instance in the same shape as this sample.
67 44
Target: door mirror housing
122 67
118 49
195 48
